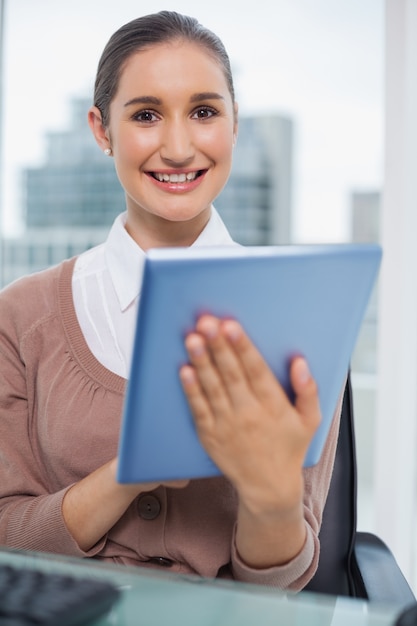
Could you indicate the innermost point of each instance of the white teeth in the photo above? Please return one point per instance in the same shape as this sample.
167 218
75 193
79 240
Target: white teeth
175 178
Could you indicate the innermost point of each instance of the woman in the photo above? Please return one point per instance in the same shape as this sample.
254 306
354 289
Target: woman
164 110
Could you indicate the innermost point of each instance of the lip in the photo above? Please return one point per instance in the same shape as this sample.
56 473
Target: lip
183 187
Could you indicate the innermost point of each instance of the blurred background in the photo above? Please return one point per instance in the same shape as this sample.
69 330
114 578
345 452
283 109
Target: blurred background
309 162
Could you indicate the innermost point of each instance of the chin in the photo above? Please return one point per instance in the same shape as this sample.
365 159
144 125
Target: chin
182 216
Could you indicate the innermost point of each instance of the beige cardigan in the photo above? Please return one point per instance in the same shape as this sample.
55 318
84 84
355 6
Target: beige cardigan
60 415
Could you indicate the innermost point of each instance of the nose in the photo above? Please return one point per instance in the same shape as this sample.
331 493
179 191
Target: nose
177 146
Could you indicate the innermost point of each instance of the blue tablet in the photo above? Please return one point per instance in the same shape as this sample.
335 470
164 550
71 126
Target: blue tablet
298 299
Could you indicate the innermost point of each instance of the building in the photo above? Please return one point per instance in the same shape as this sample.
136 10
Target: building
76 186
256 203
365 228
365 221
70 201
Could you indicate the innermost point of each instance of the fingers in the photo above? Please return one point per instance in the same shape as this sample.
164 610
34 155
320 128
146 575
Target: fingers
243 416
216 364
240 366
176 484
227 371
210 377
306 393
137 488
260 377
196 397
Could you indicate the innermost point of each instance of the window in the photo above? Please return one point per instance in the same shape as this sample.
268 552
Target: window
308 164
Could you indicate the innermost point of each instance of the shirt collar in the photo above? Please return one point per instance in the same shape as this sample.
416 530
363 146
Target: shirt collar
125 259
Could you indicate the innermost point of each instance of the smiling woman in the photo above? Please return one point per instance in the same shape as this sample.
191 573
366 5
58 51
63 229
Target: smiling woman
171 127
165 111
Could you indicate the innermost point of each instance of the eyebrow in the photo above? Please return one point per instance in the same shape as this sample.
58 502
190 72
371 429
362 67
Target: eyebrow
143 100
197 97
206 95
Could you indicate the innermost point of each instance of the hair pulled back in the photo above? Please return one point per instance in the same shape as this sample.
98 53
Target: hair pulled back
142 33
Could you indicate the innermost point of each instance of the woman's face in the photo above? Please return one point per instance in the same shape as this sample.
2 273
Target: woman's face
172 129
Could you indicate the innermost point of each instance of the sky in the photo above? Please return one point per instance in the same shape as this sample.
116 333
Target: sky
318 61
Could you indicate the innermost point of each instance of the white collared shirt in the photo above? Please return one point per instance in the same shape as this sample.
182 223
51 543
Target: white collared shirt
106 286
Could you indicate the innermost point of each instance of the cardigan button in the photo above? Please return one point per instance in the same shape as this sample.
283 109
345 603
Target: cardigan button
149 507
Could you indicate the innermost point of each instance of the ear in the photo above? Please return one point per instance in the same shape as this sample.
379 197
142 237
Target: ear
100 133
236 123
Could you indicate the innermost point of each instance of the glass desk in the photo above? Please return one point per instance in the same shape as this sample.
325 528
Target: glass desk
153 598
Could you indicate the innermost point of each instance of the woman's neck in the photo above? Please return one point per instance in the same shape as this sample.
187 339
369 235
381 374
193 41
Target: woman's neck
156 232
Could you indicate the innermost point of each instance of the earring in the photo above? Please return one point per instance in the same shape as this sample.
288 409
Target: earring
107 152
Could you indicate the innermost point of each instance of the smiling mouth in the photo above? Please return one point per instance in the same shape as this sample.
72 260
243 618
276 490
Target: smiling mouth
181 177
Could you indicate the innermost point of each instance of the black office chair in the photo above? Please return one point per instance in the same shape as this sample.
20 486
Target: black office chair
355 564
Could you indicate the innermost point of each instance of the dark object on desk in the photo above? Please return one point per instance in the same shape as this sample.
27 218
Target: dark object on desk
408 617
32 597
355 564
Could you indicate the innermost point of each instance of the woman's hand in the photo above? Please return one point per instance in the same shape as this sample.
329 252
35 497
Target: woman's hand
251 430
93 505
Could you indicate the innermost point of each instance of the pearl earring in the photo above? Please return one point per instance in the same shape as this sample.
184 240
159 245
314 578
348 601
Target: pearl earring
107 151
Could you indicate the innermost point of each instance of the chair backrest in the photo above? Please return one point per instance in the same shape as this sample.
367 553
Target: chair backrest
337 534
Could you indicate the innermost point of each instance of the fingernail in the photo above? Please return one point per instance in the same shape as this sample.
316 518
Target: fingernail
303 372
195 346
187 375
210 328
232 330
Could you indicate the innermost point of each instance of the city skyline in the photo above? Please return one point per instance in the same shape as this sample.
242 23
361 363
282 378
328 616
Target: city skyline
70 201
321 65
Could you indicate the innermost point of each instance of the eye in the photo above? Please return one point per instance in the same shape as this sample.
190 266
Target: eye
145 116
204 112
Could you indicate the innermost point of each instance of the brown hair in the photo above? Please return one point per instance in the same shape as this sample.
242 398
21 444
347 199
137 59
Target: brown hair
142 33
